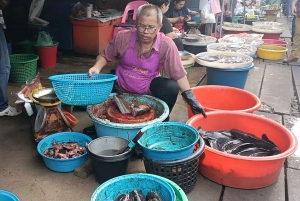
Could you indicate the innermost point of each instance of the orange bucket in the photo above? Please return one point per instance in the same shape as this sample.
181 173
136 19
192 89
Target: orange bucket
242 171
216 97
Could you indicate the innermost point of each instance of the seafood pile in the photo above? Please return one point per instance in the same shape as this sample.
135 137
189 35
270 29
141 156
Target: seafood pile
234 48
136 195
267 29
243 38
199 38
224 59
65 150
236 27
239 143
267 23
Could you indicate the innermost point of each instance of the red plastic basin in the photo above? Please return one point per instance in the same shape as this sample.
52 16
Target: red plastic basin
275 42
216 97
242 171
274 36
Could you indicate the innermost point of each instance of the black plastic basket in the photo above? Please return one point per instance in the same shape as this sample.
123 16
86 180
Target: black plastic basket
183 172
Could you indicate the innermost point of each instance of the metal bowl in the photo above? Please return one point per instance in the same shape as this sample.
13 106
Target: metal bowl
181 35
193 24
184 55
191 39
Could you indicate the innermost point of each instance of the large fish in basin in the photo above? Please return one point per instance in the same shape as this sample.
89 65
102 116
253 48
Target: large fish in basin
240 143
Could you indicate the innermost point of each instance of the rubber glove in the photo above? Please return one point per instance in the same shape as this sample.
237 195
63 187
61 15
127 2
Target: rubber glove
190 98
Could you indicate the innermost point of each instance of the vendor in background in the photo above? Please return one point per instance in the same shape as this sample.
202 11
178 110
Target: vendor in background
142 53
5 109
294 56
167 28
178 15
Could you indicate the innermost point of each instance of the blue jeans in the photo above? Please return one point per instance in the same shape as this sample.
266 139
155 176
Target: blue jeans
4 70
289 8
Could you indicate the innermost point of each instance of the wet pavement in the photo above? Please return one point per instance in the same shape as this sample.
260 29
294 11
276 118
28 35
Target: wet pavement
22 170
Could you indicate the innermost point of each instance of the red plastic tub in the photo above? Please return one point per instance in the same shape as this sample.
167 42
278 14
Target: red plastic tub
270 11
216 97
242 171
274 36
275 42
48 55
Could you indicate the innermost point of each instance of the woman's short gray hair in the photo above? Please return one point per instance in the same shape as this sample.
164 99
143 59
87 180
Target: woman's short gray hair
141 11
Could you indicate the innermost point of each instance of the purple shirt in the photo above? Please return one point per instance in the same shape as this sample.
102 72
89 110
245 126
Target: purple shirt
169 59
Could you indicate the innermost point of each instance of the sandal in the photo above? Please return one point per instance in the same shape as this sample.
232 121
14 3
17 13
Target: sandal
10 111
286 60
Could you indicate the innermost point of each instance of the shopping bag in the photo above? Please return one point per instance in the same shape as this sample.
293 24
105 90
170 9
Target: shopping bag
215 6
207 15
44 39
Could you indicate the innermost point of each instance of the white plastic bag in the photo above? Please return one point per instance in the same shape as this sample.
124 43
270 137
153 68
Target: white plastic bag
207 15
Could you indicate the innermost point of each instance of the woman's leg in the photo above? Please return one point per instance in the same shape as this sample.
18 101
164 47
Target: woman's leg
166 90
296 43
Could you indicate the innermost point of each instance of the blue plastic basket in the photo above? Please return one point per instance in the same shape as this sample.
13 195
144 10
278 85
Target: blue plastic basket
8 196
113 188
63 165
82 90
228 77
168 141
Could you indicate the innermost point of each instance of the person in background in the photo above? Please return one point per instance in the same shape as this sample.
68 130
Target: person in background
5 109
167 28
178 15
294 56
288 12
142 53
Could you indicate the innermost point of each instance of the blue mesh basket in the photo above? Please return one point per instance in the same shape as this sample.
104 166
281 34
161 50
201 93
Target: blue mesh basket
82 90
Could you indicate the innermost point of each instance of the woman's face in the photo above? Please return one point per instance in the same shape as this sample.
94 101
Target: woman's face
179 5
164 8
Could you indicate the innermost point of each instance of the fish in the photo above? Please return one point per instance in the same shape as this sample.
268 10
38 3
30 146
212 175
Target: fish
65 150
153 196
238 142
137 195
124 197
137 110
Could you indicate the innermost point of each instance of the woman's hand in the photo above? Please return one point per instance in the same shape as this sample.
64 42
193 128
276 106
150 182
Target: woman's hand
294 9
187 18
180 19
93 69
227 13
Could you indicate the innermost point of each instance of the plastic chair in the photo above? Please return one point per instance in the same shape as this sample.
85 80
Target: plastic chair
134 5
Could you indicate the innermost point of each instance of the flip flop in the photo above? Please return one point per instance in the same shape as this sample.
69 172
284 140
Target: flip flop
292 60
10 111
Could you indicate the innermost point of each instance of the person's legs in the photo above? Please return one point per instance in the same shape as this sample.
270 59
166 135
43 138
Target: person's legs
166 90
296 43
4 70
293 28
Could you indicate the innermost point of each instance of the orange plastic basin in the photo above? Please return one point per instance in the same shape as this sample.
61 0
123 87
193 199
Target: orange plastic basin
242 171
215 97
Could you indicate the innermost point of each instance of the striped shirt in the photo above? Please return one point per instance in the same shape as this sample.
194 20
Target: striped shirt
2 20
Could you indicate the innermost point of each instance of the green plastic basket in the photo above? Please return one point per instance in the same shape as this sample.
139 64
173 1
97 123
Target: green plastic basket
180 194
23 67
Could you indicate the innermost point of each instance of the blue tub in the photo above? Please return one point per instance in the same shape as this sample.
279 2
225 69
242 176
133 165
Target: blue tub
228 77
63 165
113 188
8 196
168 141
126 131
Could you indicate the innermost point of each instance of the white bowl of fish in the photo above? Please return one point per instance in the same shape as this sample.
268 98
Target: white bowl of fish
65 151
243 150
224 60
184 55
249 50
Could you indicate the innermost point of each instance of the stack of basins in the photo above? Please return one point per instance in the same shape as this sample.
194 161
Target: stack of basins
271 30
257 150
172 150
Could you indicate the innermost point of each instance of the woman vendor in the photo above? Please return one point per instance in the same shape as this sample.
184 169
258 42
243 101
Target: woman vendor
167 28
142 53
178 15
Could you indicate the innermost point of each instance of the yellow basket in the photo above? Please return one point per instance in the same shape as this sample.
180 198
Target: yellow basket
271 52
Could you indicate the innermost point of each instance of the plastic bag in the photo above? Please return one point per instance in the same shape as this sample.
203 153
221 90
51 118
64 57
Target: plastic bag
44 39
78 11
207 15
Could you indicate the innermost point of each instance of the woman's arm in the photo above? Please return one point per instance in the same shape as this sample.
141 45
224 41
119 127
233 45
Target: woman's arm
176 19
